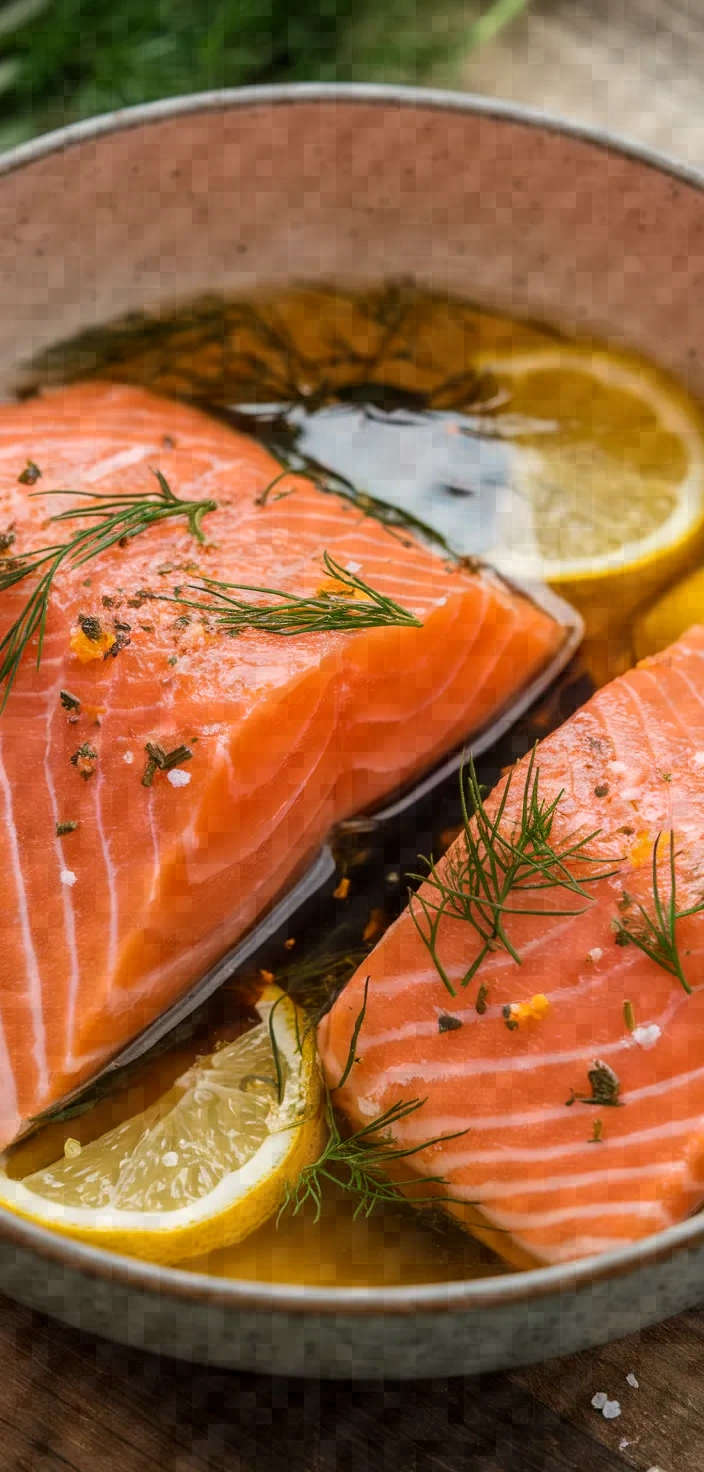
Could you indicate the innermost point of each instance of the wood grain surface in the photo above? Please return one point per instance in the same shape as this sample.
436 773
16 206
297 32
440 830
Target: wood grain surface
71 1402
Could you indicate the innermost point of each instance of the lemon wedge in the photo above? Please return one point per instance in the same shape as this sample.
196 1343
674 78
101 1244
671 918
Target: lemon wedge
608 476
670 615
203 1166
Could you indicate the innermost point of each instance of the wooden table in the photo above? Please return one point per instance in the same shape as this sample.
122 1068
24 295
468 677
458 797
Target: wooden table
70 1402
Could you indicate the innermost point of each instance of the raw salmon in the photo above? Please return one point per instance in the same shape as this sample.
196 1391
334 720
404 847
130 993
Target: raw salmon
106 924
562 1178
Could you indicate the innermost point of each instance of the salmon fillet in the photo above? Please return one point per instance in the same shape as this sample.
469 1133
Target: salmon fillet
630 762
105 926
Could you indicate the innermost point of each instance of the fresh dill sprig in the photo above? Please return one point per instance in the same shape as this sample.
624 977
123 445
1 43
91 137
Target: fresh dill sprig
658 938
325 612
358 1163
315 980
112 519
494 864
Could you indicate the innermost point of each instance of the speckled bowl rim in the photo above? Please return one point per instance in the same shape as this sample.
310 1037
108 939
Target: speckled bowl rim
240 1294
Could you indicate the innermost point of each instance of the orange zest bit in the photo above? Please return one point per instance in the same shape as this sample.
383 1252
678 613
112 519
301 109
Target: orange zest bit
267 976
339 590
86 649
342 890
533 1011
642 850
376 924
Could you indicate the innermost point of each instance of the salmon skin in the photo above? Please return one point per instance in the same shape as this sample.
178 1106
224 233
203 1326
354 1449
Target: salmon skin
561 1178
104 926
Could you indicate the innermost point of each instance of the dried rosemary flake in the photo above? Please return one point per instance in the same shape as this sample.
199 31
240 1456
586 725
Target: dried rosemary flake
629 1016
83 760
509 1019
605 1086
30 475
69 701
7 540
481 1003
62 828
163 761
91 627
447 1023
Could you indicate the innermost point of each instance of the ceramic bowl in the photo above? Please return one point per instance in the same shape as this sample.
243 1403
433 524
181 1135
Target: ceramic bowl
267 186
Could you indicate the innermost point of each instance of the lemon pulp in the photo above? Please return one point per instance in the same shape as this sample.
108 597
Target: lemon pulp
608 465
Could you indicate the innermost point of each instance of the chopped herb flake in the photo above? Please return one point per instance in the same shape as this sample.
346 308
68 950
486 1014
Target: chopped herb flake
605 1086
448 1024
7 540
30 475
597 1132
481 999
83 760
62 828
602 790
91 627
629 1016
69 701
163 761
509 1019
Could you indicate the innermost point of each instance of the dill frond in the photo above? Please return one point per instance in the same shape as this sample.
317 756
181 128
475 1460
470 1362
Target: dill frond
326 612
657 937
111 519
494 864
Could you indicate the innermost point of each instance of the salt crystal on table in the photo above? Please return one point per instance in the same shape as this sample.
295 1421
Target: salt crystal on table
599 1400
624 1442
611 1410
67 877
632 1380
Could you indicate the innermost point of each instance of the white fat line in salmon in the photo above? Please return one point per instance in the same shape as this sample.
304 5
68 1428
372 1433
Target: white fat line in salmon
469 1017
74 970
34 983
623 1142
608 1175
518 1221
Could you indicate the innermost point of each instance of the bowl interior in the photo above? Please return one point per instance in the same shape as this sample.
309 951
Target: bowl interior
269 187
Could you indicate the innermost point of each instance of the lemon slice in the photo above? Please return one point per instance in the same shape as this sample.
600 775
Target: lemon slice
608 476
203 1166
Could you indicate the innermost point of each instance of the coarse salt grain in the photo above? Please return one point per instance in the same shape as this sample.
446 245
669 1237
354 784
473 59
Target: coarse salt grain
624 1442
611 1410
632 1380
599 1400
646 1037
178 778
170 1158
67 876
128 757
353 567
595 954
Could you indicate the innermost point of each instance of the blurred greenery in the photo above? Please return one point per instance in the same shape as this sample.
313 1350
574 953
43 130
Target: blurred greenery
65 59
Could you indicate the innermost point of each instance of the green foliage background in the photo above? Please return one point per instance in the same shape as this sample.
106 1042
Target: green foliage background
65 59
